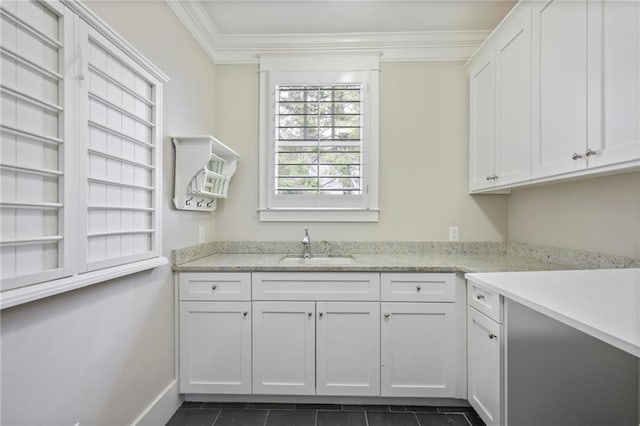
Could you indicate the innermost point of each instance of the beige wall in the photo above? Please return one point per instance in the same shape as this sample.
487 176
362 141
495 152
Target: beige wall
423 160
599 214
100 355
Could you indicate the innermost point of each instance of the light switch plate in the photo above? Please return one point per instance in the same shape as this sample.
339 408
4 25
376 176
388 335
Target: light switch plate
454 233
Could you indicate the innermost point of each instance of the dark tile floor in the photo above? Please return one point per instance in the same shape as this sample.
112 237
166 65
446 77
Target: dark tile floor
253 414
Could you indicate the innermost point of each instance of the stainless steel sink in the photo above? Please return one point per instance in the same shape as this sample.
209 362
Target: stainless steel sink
317 261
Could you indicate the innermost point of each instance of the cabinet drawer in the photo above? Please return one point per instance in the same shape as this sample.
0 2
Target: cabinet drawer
215 286
315 286
485 301
403 287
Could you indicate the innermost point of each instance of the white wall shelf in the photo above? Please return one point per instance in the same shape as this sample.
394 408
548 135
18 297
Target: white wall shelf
203 169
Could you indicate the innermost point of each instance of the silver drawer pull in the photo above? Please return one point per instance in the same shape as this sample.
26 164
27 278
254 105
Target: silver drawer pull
480 297
492 336
387 314
245 313
214 286
321 314
309 314
418 288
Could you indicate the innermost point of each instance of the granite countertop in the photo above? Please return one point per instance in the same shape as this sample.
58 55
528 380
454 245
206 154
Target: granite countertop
432 262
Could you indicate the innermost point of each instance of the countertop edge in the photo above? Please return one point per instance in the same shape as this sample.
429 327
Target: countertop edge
622 344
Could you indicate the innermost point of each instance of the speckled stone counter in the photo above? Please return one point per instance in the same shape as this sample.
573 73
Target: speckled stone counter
409 256
383 262
234 262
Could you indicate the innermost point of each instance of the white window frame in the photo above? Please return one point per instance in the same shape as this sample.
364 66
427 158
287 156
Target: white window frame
278 70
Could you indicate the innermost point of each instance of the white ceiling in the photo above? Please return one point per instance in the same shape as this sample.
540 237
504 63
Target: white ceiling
348 16
238 31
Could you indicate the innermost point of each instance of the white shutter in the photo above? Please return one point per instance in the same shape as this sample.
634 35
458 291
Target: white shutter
33 135
318 139
118 136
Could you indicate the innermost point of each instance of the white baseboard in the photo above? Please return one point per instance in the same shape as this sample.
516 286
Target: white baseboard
161 408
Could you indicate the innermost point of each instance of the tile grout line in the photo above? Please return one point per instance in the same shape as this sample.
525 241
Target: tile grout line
217 417
467 419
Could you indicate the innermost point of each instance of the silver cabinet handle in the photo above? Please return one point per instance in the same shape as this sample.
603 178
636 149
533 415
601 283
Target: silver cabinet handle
245 313
576 156
492 336
480 297
418 288
387 314
309 314
494 177
589 152
214 286
489 178
321 314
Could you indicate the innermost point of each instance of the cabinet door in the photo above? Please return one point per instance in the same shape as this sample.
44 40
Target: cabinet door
418 348
348 348
559 87
215 347
484 341
614 82
513 104
482 124
284 348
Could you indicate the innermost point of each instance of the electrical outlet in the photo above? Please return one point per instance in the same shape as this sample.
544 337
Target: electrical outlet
454 233
201 234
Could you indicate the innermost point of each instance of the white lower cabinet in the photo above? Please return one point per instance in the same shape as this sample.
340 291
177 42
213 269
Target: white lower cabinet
485 366
215 347
418 346
325 336
329 349
284 348
348 348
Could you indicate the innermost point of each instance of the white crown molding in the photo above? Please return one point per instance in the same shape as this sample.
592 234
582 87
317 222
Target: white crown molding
399 46
195 19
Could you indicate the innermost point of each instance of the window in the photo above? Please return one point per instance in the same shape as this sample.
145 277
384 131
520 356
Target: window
319 138
79 130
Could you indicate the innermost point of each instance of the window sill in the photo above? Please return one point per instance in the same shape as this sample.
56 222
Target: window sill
33 292
319 215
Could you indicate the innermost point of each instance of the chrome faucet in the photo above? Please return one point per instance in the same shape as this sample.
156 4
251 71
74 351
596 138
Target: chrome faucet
306 243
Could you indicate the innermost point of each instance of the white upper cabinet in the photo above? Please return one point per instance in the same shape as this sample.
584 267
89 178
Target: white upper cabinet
482 123
513 104
555 94
614 82
500 110
559 87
